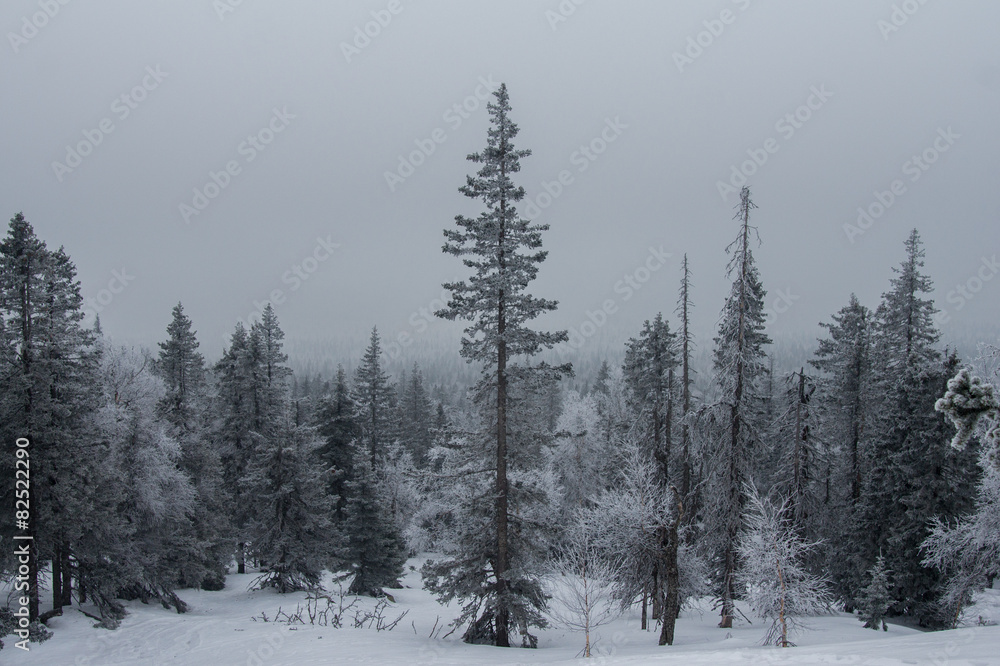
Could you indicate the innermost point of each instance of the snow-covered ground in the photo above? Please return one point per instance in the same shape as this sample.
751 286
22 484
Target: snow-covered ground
218 631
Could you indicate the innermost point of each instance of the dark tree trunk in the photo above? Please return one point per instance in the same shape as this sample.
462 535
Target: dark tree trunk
732 511
797 495
67 578
657 596
668 427
670 542
57 596
33 581
503 556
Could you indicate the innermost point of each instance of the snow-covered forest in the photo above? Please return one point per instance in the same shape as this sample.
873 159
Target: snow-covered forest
464 332
772 504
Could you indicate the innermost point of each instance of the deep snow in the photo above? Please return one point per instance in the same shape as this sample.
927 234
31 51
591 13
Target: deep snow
218 630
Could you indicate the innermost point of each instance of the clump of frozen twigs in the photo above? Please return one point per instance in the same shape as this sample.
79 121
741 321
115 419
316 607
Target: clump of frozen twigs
336 610
778 586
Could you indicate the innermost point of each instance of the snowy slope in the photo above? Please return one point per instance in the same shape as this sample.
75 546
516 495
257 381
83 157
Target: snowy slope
985 609
218 631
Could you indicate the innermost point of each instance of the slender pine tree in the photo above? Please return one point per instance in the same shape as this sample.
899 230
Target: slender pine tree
415 416
232 431
739 368
503 250
184 406
374 397
686 341
182 369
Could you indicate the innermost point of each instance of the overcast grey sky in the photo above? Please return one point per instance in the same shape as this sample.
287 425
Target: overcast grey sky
119 116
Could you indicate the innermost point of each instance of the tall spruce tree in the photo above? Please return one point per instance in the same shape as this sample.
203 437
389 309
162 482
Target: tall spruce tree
844 358
845 408
336 423
503 250
415 416
290 522
232 431
277 482
912 468
182 369
48 374
271 374
739 368
650 362
686 341
374 398
252 396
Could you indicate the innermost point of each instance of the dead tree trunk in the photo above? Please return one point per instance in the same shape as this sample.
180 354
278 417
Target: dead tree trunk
657 594
670 543
57 580
735 453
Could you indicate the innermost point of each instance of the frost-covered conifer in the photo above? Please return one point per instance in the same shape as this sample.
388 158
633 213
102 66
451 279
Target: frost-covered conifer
149 545
48 363
579 458
634 524
845 406
336 423
873 605
910 470
373 549
374 398
739 367
504 252
650 362
416 416
185 410
967 550
289 527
